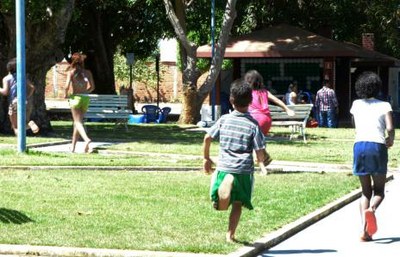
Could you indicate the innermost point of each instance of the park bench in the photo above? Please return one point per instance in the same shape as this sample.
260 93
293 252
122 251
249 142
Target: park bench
297 123
109 107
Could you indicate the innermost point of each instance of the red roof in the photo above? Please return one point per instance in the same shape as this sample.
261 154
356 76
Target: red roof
288 41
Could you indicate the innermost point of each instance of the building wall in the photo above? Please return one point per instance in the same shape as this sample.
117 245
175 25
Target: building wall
170 85
55 80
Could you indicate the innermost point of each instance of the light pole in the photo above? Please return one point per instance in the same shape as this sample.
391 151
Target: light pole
21 77
213 91
158 77
130 60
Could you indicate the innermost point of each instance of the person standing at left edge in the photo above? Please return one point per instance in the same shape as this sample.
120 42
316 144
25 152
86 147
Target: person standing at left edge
374 135
9 89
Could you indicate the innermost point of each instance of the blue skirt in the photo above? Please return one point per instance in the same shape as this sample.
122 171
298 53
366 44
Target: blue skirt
370 159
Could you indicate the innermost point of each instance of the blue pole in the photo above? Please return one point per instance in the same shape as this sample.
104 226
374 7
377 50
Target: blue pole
213 91
21 78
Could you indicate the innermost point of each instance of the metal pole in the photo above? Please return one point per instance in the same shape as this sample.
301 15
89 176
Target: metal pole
130 60
158 78
130 76
213 91
21 78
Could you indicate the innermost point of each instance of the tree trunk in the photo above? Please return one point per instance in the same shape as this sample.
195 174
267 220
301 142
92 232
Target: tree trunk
43 41
100 54
193 98
181 15
190 106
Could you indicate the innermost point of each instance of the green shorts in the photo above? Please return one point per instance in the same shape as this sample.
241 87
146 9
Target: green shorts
241 190
79 102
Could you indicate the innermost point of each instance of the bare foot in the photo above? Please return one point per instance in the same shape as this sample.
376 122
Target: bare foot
87 146
34 127
230 238
365 237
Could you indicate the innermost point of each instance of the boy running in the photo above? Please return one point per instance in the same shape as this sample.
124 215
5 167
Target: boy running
239 135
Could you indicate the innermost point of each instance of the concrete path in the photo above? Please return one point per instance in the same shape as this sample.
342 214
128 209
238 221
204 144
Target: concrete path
338 234
65 147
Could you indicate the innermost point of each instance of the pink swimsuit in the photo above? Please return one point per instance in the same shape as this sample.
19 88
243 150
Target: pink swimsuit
259 110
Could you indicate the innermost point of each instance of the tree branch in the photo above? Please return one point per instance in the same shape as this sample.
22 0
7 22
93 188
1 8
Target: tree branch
216 61
189 2
179 31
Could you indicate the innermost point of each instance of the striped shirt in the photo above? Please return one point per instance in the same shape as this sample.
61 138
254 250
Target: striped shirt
238 134
326 99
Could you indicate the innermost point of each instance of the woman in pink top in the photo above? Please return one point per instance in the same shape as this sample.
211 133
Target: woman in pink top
259 108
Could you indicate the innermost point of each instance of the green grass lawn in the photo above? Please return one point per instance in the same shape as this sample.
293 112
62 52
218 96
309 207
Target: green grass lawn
157 141
167 211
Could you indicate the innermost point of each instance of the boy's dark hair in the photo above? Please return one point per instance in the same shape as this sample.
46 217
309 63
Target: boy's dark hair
241 93
255 79
12 65
368 85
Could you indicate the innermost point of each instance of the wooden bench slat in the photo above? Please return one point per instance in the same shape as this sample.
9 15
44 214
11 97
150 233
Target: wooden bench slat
297 122
113 107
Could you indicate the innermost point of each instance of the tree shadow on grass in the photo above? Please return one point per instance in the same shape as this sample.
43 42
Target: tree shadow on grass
150 133
8 216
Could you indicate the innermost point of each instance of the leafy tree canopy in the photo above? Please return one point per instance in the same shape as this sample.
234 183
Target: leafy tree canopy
345 20
133 25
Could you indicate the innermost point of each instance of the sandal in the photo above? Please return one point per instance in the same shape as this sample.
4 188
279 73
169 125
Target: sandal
370 220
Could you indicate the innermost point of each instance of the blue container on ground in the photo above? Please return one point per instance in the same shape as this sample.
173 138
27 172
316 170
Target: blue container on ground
135 119
95 119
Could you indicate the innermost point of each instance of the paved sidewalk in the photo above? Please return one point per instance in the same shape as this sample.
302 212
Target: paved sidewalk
65 147
338 234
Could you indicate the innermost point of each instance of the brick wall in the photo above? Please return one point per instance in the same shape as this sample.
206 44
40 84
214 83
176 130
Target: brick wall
368 41
58 74
170 86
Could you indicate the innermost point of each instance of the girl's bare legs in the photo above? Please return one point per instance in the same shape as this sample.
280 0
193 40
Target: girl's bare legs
75 138
30 123
234 218
377 191
77 115
14 122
